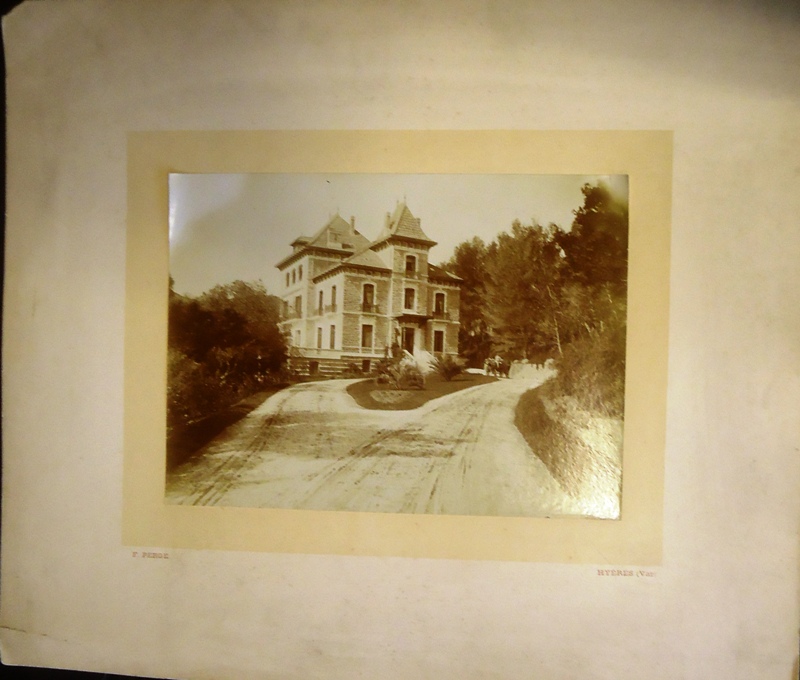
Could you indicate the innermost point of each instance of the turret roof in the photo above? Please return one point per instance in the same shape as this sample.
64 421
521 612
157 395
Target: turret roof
403 224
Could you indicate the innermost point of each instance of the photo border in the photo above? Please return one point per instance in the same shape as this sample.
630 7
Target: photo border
645 156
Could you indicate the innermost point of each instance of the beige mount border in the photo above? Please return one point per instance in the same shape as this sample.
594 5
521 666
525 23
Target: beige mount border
646 156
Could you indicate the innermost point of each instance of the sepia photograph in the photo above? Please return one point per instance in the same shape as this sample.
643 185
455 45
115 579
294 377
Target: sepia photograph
402 340
428 343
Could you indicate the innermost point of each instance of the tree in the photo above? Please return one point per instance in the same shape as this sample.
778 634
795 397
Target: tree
263 341
469 263
596 247
593 302
223 346
522 290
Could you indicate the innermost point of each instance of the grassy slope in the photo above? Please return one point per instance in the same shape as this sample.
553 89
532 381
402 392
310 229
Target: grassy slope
580 449
566 456
435 387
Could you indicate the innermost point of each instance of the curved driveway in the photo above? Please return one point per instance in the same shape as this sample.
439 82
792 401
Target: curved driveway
311 446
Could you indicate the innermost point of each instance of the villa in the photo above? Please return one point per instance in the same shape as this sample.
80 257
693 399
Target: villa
347 299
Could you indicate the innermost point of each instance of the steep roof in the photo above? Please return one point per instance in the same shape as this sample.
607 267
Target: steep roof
440 274
337 234
403 224
340 235
365 258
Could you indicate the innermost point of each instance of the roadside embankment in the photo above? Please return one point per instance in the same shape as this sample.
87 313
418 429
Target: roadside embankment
581 450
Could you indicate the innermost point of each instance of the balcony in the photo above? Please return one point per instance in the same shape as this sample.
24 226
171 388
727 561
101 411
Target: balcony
441 315
316 353
373 352
330 309
370 308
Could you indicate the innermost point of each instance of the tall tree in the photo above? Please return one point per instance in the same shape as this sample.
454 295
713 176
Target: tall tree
469 263
262 346
523 288
596 247
223 346
594 302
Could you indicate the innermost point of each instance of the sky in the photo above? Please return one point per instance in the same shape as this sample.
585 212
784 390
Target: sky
238 226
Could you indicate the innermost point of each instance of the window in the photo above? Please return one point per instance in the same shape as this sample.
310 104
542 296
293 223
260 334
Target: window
285 309
320 310
298 305
438 341
411 264
365 365
294 275
333 298
366 336
408 339
368 298
300 273
287 279
438 306
408 300
333 337
319 337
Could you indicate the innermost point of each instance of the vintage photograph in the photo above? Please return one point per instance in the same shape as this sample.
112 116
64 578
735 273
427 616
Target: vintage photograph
442 344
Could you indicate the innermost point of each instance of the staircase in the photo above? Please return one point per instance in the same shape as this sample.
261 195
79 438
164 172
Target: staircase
327 367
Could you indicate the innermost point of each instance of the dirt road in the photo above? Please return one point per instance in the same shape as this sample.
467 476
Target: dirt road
311 446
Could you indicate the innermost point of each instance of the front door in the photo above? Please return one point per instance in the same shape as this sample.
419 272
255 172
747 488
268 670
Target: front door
408 340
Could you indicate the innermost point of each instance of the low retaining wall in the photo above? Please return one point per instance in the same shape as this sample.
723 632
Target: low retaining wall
523 370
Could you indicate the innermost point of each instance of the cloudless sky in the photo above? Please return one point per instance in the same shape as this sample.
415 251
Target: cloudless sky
237 226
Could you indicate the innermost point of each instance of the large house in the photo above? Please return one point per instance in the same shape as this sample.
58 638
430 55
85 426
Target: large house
347 299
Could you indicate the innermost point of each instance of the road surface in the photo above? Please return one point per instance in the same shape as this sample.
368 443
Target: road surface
311 446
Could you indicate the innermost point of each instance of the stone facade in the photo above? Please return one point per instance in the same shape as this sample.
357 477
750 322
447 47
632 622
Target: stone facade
346 299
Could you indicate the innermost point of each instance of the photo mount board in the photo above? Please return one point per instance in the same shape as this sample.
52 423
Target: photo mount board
644 156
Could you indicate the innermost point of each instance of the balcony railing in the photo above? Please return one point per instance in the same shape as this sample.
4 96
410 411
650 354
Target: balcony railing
371 351
316 353
370 308
330 308
440 314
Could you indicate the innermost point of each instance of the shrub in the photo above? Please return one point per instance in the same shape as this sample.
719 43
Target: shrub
399 374
223 346
593 371
448 368
410 377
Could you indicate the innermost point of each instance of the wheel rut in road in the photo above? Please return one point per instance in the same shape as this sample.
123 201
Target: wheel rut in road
312 447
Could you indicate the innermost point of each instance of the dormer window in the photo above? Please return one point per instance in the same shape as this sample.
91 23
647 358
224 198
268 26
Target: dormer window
411 264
